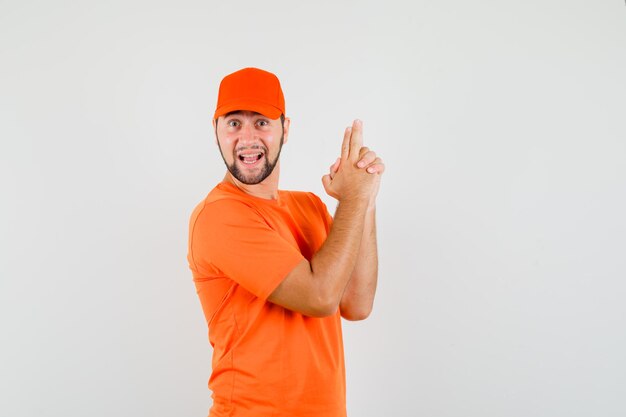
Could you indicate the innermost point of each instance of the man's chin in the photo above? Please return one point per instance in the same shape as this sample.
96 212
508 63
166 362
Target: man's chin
247 179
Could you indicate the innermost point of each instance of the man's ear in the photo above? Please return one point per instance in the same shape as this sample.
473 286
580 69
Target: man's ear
286 125
215 129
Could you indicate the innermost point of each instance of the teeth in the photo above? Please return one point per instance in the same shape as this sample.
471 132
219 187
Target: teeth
245 158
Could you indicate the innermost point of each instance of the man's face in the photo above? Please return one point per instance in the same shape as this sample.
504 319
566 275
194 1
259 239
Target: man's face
250 144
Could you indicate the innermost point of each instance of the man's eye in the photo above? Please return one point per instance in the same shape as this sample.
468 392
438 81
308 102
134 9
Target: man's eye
263 123
232 123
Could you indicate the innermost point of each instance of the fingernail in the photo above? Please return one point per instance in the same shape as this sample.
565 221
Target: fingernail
370 170
358 122
361 164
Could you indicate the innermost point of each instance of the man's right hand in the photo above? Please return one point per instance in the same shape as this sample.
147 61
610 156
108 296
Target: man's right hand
350 183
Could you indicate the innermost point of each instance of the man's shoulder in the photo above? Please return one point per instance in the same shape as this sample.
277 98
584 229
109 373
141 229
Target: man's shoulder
224 191
220 201
300 196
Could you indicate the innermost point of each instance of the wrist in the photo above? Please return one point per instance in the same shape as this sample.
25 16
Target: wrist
356 201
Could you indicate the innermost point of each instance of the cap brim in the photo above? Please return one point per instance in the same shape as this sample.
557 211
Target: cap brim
265 109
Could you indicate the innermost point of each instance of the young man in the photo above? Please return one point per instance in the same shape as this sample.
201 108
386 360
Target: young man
274 271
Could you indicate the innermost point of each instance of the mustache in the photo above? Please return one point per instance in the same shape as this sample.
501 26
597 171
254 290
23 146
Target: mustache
253 147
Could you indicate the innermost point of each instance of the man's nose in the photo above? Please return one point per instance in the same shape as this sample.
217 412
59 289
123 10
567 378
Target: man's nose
247 134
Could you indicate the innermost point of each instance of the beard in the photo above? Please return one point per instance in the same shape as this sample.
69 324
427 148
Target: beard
266 169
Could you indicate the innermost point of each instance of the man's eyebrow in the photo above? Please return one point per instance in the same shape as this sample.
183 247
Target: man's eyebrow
240 112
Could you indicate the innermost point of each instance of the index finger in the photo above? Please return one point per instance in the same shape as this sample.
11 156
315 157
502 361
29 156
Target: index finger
356 139
345 145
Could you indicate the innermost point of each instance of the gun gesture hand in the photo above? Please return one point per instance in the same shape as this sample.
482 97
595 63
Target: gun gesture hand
356 174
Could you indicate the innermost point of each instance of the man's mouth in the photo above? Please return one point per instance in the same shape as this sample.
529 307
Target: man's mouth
250 158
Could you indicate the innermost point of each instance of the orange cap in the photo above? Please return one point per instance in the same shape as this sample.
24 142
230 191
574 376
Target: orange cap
251 89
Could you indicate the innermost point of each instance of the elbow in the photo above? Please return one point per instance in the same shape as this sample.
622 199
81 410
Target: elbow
323 309
356 314
356 309
323 305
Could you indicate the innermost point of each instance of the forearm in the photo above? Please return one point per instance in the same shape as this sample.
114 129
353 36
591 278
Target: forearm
315 288
333 265
358 297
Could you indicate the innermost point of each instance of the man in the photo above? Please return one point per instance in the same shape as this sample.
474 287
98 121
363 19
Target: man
273 270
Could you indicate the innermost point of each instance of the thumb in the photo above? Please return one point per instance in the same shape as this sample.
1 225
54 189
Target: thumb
326 183
335 167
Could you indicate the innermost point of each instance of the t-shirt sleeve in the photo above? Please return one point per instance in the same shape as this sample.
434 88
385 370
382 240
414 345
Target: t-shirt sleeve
234 238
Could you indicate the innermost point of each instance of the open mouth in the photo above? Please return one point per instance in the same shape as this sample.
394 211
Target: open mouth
251 158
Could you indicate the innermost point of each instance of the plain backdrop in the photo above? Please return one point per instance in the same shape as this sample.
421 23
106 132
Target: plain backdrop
501 219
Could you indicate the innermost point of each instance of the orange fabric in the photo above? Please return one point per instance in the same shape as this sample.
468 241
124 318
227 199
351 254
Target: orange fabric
267 360
251 89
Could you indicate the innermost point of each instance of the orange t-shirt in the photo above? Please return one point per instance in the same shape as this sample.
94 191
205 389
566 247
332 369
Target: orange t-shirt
267 360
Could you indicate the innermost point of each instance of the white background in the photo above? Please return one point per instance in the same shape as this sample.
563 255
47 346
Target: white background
501 215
